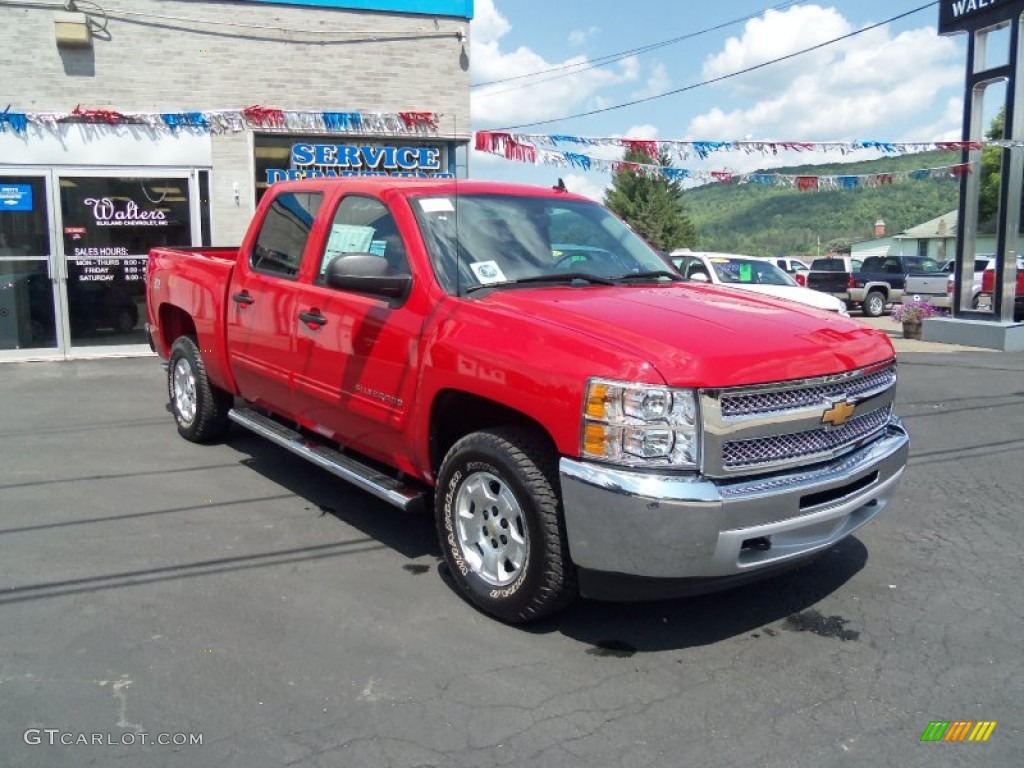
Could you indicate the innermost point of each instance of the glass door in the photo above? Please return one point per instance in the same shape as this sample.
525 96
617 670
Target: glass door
29 323
108 222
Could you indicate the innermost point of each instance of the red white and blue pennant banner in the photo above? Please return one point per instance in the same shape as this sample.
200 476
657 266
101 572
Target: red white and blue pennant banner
496 141
530 148
233 120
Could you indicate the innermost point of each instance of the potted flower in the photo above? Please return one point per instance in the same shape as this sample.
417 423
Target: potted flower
911 314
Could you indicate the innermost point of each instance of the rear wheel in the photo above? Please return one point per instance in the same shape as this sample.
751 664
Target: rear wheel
499 519
874 304
200 409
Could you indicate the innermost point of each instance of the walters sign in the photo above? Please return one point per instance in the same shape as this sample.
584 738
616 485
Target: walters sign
966 15
319 160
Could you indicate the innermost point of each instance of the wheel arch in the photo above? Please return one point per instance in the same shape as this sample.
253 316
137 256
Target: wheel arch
455 414
175 322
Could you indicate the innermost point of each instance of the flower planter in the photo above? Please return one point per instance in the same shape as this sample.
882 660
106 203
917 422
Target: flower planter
911 330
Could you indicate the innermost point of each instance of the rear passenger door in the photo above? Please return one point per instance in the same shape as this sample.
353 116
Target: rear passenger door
261 314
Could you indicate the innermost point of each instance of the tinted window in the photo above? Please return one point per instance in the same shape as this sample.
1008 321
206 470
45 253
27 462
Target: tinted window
923 265
873 264
365 225
828 265
284 233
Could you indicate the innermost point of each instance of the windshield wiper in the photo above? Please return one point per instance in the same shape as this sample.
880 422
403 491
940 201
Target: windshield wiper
673 276
564 277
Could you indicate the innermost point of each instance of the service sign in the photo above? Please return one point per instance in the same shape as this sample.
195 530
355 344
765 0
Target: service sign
311 161
966 15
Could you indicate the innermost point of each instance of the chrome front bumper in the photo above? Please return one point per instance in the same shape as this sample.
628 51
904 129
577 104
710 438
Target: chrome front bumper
688 527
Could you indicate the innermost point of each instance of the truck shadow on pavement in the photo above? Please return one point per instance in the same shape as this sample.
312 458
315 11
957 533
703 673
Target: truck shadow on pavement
411 535
612 629
618 629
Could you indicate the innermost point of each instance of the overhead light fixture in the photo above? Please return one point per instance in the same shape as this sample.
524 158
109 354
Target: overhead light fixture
273 152
72 30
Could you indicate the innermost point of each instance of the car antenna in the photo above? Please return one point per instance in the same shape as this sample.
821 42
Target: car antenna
560 186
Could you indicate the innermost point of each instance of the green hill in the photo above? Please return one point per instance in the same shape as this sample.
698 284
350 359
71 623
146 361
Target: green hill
763 220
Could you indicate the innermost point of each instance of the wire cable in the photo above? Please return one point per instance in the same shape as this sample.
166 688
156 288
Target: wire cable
719 79
612 57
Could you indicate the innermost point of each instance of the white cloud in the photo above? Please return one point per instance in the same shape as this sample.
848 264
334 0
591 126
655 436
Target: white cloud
657 83
872 86
488 26
510 102
580 36
584 185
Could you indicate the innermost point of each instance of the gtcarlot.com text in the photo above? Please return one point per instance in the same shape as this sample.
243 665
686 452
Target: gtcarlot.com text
57 737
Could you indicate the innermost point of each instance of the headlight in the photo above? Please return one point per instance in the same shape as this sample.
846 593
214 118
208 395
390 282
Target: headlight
640 425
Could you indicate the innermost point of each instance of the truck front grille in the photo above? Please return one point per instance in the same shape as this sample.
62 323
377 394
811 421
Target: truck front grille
764 450
787 400
758 429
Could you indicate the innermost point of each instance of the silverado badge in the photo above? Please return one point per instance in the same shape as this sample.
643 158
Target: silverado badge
838 413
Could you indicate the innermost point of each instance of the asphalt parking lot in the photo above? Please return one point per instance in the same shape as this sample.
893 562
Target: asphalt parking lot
153 587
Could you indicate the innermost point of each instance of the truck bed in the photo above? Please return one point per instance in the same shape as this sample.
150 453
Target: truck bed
197 278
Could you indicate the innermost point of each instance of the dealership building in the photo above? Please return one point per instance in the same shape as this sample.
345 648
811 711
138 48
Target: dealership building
130 125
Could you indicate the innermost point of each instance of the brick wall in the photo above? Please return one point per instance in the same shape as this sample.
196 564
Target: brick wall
171 56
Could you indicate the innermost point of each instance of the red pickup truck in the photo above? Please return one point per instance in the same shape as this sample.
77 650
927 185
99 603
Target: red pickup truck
580 419
988 285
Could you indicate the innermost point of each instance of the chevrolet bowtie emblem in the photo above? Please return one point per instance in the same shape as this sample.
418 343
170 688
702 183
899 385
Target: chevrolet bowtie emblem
838 413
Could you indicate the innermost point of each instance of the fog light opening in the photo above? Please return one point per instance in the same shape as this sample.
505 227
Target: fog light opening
760 544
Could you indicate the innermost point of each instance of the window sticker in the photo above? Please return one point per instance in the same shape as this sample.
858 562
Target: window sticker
436 205
746 273
378 247
346 238
488 272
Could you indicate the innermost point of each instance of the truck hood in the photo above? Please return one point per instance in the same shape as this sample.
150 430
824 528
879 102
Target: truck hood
700 335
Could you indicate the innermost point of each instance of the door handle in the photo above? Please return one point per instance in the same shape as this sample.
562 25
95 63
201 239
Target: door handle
313 319
242 299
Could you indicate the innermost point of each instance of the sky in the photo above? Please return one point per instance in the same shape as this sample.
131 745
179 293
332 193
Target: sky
898 82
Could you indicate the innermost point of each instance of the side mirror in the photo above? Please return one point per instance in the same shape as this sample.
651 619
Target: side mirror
700 277
366 273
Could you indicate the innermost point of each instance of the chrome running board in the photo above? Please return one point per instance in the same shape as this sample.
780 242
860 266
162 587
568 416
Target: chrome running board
385 487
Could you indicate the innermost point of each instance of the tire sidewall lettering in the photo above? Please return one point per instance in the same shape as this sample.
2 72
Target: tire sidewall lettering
449 525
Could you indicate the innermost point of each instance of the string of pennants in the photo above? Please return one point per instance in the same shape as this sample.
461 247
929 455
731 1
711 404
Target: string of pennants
232 120
548 150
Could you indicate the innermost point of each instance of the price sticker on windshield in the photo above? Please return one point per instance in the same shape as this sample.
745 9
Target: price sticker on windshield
746 273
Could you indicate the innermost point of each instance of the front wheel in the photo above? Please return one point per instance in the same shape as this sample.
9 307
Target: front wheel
500 523
874 304
200 409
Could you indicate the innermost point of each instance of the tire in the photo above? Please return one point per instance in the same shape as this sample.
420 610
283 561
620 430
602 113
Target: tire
976 301
200 409
499 520
874 304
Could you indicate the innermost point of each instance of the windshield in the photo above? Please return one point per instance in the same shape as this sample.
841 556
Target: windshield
501 240
749 272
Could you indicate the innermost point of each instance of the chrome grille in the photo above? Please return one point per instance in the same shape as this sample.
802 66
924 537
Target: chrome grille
770 427
790 399
780 448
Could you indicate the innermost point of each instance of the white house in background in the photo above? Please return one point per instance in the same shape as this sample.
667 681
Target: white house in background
935 239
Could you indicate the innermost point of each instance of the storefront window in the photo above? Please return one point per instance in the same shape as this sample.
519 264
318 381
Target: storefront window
26 291
110 223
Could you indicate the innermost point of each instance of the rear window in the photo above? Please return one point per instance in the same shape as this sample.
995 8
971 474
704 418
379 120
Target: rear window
828 265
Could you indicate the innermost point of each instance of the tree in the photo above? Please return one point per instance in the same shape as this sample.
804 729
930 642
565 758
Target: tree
991 170
652 205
